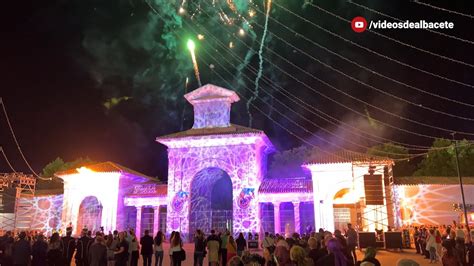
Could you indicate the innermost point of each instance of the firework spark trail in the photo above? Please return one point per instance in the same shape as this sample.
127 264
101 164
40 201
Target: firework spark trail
191 47
260 57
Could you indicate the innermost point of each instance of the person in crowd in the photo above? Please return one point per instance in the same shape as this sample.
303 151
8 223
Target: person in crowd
6 245
450 257
370 253
21 251
439 241
269 256
171 240
121 251
313 252
460 246
223 247
352 241
133 248
231 247
470 255
69 244
146 243
298 257
336 256
282 251
407 262
111 244
55 251
176 249
81 249
241 244
158 247
199 248
235 261
431 245
416 238
267 241
39 251
213 247
98 252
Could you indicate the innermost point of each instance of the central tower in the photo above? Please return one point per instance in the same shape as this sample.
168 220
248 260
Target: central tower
215 168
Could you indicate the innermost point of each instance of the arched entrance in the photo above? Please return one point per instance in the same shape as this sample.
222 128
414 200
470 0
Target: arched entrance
90 214
344 204
211 201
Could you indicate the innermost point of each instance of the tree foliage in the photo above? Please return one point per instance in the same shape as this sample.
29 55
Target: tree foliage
441 160
403 166
58 165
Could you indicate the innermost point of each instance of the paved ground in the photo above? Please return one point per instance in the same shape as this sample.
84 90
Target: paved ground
386 258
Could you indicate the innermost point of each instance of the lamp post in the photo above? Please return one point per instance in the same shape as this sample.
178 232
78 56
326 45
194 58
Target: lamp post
460 182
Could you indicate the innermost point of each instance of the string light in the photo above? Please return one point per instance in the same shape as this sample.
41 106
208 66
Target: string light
200 37
295 123
355 98
16 142
370 69
338 103
374 52
241 32
339 122
443 9
310 121
370 86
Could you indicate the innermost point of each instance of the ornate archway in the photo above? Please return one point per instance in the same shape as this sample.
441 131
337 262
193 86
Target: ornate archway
90 214
211 205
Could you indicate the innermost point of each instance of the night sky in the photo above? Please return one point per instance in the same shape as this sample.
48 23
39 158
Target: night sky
63 59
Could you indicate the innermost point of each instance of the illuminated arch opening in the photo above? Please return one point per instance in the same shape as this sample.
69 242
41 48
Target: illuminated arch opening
211 201
90 214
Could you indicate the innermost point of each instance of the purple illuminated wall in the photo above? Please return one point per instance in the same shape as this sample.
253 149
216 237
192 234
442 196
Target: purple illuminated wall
241 156
238 161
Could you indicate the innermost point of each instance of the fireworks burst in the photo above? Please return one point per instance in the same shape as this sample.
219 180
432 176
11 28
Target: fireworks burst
260 57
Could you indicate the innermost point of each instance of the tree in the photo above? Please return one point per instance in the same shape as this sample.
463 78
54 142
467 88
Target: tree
441 161
403 166
58 165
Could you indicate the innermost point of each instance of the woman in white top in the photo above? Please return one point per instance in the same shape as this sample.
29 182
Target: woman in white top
176 249
134 247
158 247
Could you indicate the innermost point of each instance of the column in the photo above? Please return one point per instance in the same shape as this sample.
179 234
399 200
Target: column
296 210
276 217
156 219
138 227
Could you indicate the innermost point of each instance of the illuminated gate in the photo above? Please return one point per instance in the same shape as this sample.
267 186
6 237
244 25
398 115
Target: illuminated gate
211 201
90 214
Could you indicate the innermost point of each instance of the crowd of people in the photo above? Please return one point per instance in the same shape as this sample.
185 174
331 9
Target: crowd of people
452 244
446 243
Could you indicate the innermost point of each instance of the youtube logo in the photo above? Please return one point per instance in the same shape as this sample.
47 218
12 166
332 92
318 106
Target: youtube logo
359 24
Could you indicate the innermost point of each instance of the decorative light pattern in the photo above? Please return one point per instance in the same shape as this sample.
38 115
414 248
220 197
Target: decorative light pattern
430 204
46 213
